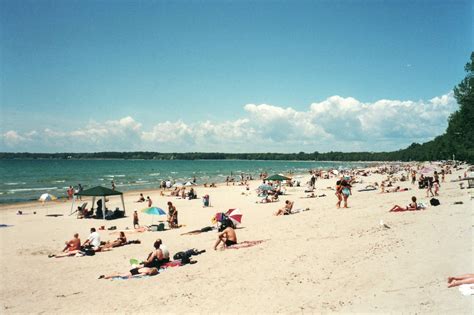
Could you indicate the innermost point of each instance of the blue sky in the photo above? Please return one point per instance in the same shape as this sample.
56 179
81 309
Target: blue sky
233 76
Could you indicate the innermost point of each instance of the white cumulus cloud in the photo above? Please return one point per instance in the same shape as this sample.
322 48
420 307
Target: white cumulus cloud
336 123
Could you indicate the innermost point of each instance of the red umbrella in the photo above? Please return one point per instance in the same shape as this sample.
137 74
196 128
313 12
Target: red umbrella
235 215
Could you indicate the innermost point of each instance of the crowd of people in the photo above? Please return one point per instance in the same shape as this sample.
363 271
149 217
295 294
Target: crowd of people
394 178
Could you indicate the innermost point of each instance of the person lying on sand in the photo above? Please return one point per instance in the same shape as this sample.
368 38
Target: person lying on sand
227 236
120 241
411 207
72 247
286 209
460 280
143 271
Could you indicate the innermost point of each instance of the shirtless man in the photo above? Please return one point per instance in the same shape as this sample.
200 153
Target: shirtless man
72 247
227 237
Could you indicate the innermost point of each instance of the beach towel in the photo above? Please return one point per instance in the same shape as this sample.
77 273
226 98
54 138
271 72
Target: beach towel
245 244
129 277
367 189
466 289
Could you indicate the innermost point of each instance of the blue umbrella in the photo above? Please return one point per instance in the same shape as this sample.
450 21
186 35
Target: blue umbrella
154 211
265 187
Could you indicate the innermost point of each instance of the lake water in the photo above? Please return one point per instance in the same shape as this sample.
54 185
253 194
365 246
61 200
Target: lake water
26 180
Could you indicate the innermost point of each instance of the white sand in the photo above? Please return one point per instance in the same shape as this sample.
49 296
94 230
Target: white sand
322 260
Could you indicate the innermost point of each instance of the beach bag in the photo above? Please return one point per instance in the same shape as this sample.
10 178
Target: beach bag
184 257
161 227
434 202
88 251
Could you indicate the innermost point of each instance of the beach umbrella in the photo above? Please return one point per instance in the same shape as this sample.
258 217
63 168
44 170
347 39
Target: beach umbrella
178 185
154 211
189 184
47 197
278 177
265 187
426 170
234 215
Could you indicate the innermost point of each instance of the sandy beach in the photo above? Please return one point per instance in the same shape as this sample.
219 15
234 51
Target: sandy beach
318 261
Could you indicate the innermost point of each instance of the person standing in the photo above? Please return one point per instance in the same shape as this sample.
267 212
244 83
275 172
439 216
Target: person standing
113 184
136 225
345 191
150 202
70 193
172 215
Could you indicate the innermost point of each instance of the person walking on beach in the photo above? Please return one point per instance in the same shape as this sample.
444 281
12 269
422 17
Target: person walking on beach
136 225
338 193
113 184
429 187
345 191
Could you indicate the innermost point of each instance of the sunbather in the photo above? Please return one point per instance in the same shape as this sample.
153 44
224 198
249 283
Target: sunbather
72 247
160 255
411 207
120 241
460 280
143 271
286 209
227 236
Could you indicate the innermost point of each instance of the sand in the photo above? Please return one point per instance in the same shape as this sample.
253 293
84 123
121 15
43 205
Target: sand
321 260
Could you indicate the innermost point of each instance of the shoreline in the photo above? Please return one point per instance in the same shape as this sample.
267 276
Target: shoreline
367 164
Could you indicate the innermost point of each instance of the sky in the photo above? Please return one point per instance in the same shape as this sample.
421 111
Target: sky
229 76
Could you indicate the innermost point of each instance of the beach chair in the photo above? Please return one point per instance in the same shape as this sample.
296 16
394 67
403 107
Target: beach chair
470 183
80 209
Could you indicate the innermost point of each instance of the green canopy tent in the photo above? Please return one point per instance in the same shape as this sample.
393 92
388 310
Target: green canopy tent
99 191
278 177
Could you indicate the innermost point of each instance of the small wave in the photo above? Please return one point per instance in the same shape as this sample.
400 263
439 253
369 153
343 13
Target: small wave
14 184
154 174
31 189
101 179
59 181
174 172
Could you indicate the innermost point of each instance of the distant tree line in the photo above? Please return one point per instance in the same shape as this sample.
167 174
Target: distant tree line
458 140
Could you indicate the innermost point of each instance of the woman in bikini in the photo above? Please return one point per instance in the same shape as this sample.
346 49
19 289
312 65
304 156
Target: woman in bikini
411 207
345 191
